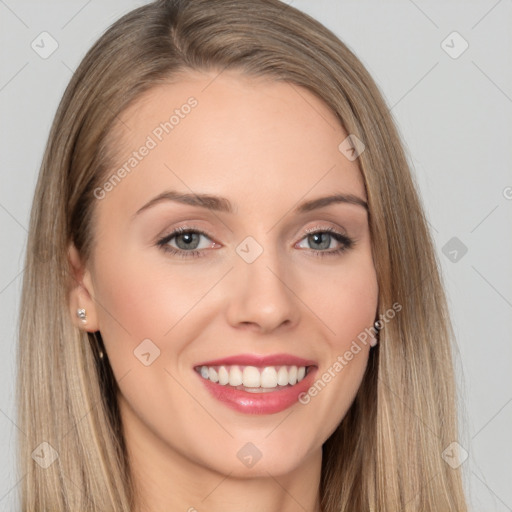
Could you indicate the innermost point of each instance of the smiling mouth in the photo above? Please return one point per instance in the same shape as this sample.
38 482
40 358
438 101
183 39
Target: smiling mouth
254 379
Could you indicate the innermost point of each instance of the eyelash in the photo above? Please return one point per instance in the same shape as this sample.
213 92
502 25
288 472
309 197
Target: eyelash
346 242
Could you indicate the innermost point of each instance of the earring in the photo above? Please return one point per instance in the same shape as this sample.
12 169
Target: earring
99 350
375 340
80 313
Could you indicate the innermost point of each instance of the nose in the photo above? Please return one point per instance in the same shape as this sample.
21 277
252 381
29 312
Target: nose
261 295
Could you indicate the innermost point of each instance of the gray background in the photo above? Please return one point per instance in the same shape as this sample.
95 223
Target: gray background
454 115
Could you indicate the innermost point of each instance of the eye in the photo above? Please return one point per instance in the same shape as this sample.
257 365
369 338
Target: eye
185 242
319 240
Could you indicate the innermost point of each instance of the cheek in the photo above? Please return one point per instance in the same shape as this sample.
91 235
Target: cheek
142 299
346 306
138 301
345 299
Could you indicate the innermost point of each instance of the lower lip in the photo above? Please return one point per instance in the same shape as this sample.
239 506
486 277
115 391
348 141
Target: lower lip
259 403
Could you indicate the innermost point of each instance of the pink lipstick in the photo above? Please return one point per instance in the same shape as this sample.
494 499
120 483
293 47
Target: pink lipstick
257 384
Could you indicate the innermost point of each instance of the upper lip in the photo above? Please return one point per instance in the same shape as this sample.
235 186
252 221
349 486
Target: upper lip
260 360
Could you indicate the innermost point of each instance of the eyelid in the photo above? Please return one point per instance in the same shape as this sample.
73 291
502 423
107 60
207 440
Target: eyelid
324 228
185 228
327 229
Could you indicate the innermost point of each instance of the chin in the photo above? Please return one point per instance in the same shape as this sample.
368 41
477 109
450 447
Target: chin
254 459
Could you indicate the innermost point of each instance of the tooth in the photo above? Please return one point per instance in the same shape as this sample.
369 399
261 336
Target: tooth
269 377
282 376
235 376
251 377
223 376
292 375
213 375
204 372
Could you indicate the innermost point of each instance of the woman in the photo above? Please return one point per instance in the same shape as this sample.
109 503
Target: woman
231 296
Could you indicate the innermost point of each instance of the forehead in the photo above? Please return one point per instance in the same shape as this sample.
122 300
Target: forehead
229 133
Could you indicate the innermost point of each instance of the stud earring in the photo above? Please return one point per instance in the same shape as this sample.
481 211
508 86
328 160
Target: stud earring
80 313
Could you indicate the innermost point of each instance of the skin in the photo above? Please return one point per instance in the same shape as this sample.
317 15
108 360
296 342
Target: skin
267 147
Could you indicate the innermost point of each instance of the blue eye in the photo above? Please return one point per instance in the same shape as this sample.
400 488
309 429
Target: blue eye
186 242
323 238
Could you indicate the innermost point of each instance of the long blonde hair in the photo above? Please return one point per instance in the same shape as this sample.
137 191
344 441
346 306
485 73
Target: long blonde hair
385 455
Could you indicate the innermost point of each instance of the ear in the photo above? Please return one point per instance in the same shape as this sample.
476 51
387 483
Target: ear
82 293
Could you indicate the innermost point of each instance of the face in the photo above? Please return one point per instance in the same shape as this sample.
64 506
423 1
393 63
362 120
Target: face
218 279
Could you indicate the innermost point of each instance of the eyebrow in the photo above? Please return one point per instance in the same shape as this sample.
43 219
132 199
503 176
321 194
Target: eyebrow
221 204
